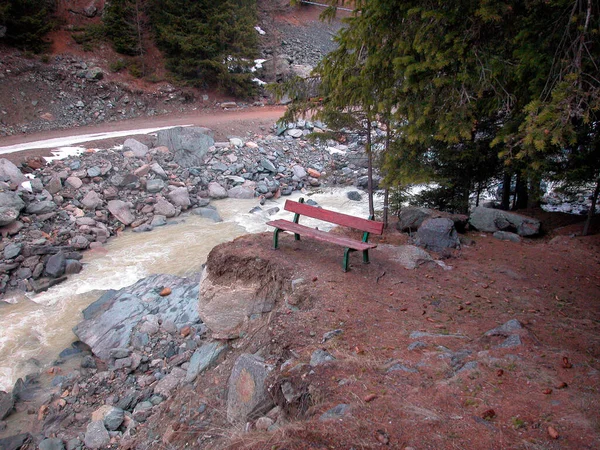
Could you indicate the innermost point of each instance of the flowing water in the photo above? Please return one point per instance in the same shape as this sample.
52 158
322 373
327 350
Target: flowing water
34 329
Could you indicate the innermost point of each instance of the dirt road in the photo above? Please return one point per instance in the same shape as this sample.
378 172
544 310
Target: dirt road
224 124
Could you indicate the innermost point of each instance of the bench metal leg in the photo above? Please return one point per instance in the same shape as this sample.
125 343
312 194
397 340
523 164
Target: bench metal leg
365 256
346 258
296 236
276 238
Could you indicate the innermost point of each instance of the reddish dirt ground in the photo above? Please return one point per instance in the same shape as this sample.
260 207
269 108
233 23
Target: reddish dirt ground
511 398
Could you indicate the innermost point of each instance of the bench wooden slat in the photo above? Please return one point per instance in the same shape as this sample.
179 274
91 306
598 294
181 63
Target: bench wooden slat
345 220
321 235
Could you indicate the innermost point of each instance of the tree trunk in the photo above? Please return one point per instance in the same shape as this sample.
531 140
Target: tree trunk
386 206
521 193
506 191
592 211
478 194
534 199
370 168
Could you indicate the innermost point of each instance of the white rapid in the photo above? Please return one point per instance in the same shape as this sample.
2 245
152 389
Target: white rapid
33 330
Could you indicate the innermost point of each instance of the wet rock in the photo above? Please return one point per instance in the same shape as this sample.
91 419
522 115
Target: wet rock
180 197
492 220
203 358
354 196
138 149
437 235
216 191
55 267
110 321
209 213
189 145
247 395
96 435
121 211
164 208
158 221
241 192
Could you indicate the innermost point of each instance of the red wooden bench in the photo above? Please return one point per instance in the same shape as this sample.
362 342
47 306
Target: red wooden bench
350 245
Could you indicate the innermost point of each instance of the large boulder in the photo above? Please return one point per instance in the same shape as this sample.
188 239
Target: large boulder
11 173
409 256
215 190
189 145
492 220
180 197
247 395
241 192
437 235
164 208
7 405
410 218
11 200
109 321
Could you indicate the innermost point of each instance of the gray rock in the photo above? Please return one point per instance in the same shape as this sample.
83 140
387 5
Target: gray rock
410 218
295 133
164 208
80 242
142 411
55 267
16 442
12 200
96 435
513 326
247 393
268 165
399 367
155 185
54 186
416 346
354 196
158 170
109 322
492 220
165 386
514 340
119 352
437 235
94 171
12 250
113 418
180 197
215 190
320 357
241 192
335 413
74 444
188 144
7 405
209 213
92 200
409 256
299 172
51 444
507 236
95 73
120 210
74 182
8 216
43 207
203 358
137 148
158 221
72 266
330 335
10 172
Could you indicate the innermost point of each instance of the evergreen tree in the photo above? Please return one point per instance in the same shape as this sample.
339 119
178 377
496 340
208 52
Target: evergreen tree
26 22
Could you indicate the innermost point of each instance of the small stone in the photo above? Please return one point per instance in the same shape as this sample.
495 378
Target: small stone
263 423
320 357
166 291
335 413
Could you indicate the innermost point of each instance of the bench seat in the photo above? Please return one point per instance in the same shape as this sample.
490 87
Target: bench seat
319 235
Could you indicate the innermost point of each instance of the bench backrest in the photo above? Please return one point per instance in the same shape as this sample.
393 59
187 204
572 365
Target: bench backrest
345 220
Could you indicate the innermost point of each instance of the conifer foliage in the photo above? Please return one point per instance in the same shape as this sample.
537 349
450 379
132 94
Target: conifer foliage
26 22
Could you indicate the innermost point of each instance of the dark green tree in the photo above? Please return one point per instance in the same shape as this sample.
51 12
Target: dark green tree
27 22
207 42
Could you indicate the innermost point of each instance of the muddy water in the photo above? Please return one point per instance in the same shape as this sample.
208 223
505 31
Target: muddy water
33 330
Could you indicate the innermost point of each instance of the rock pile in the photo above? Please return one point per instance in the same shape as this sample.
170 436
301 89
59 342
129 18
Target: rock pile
70 205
